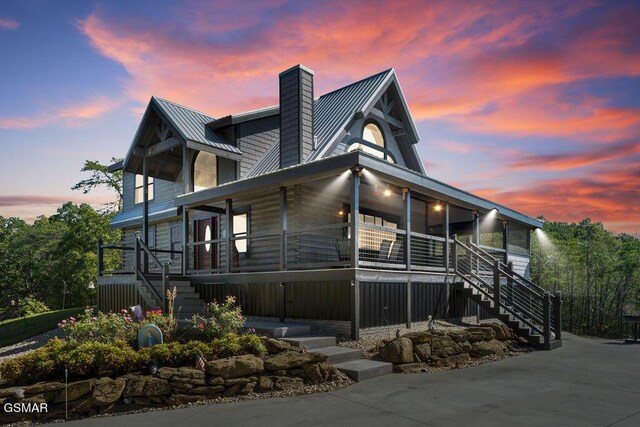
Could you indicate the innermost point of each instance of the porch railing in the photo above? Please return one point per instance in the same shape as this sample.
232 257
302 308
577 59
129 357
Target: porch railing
381 247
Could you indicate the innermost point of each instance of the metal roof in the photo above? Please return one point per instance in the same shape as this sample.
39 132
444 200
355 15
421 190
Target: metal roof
332 112
157 212
192 125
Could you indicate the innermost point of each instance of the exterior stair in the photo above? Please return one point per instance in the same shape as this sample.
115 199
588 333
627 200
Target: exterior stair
346 360
187 302
527 309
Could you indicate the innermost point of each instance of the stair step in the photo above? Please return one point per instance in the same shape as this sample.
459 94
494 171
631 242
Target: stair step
363 369
311 342
278 330
337 354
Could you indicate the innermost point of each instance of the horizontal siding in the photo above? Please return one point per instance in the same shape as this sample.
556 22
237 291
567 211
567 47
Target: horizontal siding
254 139
521 264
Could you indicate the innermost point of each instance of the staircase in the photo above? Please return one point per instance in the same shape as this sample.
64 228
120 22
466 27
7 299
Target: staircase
526 308
187 302
347 360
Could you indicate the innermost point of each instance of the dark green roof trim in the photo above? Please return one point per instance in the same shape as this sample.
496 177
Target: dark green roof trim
394 174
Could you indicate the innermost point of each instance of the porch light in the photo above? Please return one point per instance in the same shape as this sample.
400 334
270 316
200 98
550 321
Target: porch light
386 192
357 170
340 212
438 207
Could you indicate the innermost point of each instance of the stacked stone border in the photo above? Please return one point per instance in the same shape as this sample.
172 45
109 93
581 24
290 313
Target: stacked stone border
285 368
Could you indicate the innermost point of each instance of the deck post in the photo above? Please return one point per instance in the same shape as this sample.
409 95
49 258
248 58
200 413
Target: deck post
100 258
283 228
447 261
185 240
557 314
228 206
406 196
476 239
454 254
145 210
282 293
496 285
355 309
136 255
165 286
409 289
546 306
505 241
355 213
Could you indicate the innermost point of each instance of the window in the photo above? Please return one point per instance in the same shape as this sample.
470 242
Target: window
205 171
241 230
372 133
139 191
518 240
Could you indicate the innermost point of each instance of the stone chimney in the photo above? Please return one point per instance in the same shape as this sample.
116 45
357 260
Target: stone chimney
296 115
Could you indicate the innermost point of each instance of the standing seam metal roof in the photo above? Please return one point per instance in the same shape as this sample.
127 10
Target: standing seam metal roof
192 125
332 111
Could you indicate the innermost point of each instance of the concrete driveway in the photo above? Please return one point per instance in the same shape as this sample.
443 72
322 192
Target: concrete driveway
586 382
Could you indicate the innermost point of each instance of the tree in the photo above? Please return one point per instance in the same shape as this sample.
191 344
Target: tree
101 177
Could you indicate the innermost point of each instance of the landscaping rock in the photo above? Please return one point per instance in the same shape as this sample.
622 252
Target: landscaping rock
107 391
502 331
75 391
236 366
184 374
444 346
213 390
234 381
179 387
146 401
399 350
215 380
232 391
465 347
481 333
488 348
317 372
288 383
264 384
460 336
419 337
13 392
276 346
453 361
292 359
411 368
146 385
40 388
422 352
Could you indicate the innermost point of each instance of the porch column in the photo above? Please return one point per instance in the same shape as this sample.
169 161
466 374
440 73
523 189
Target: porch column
505 241
406 196
447 261
475 238
355 309
355 212
283 228
185 240
145 209
229 226
186 170
406 213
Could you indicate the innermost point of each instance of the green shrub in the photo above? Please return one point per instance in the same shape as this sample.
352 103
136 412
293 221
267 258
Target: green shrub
96 359
101 327
32 305
219 319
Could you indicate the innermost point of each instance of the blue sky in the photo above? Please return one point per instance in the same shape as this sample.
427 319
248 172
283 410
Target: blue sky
531 104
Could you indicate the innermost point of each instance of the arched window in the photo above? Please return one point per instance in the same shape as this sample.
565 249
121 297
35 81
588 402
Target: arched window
372 133
205 171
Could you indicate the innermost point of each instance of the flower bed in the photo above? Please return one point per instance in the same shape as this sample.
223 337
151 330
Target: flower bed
282 368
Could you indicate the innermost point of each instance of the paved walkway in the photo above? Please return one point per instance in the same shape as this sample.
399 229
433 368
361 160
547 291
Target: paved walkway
586 382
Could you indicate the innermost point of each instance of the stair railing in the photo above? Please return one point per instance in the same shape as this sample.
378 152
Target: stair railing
519 282
142 270
527 302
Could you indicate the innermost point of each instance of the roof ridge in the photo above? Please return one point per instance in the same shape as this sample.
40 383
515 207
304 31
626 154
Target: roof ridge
181 106
357 82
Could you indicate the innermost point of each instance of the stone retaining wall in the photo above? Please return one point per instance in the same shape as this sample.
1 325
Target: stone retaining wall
446 347
284 368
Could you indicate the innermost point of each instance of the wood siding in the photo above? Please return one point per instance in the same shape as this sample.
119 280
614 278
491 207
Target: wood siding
254 138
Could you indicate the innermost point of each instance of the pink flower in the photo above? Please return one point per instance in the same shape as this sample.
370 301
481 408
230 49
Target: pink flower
64 321
200 325
94 318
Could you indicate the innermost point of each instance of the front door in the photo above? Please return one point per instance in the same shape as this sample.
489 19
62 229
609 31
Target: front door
206 255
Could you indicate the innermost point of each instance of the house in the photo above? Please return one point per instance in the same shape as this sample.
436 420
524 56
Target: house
319 208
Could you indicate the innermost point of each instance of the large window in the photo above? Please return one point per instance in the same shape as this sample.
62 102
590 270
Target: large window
139 190
518 240
241 230
205 171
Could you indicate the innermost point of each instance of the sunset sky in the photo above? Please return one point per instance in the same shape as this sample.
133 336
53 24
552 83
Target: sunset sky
532 104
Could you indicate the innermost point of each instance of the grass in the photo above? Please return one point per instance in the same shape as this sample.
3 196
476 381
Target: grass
15 330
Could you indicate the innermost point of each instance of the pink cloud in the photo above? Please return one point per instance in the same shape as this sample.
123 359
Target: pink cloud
8 24
68 115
